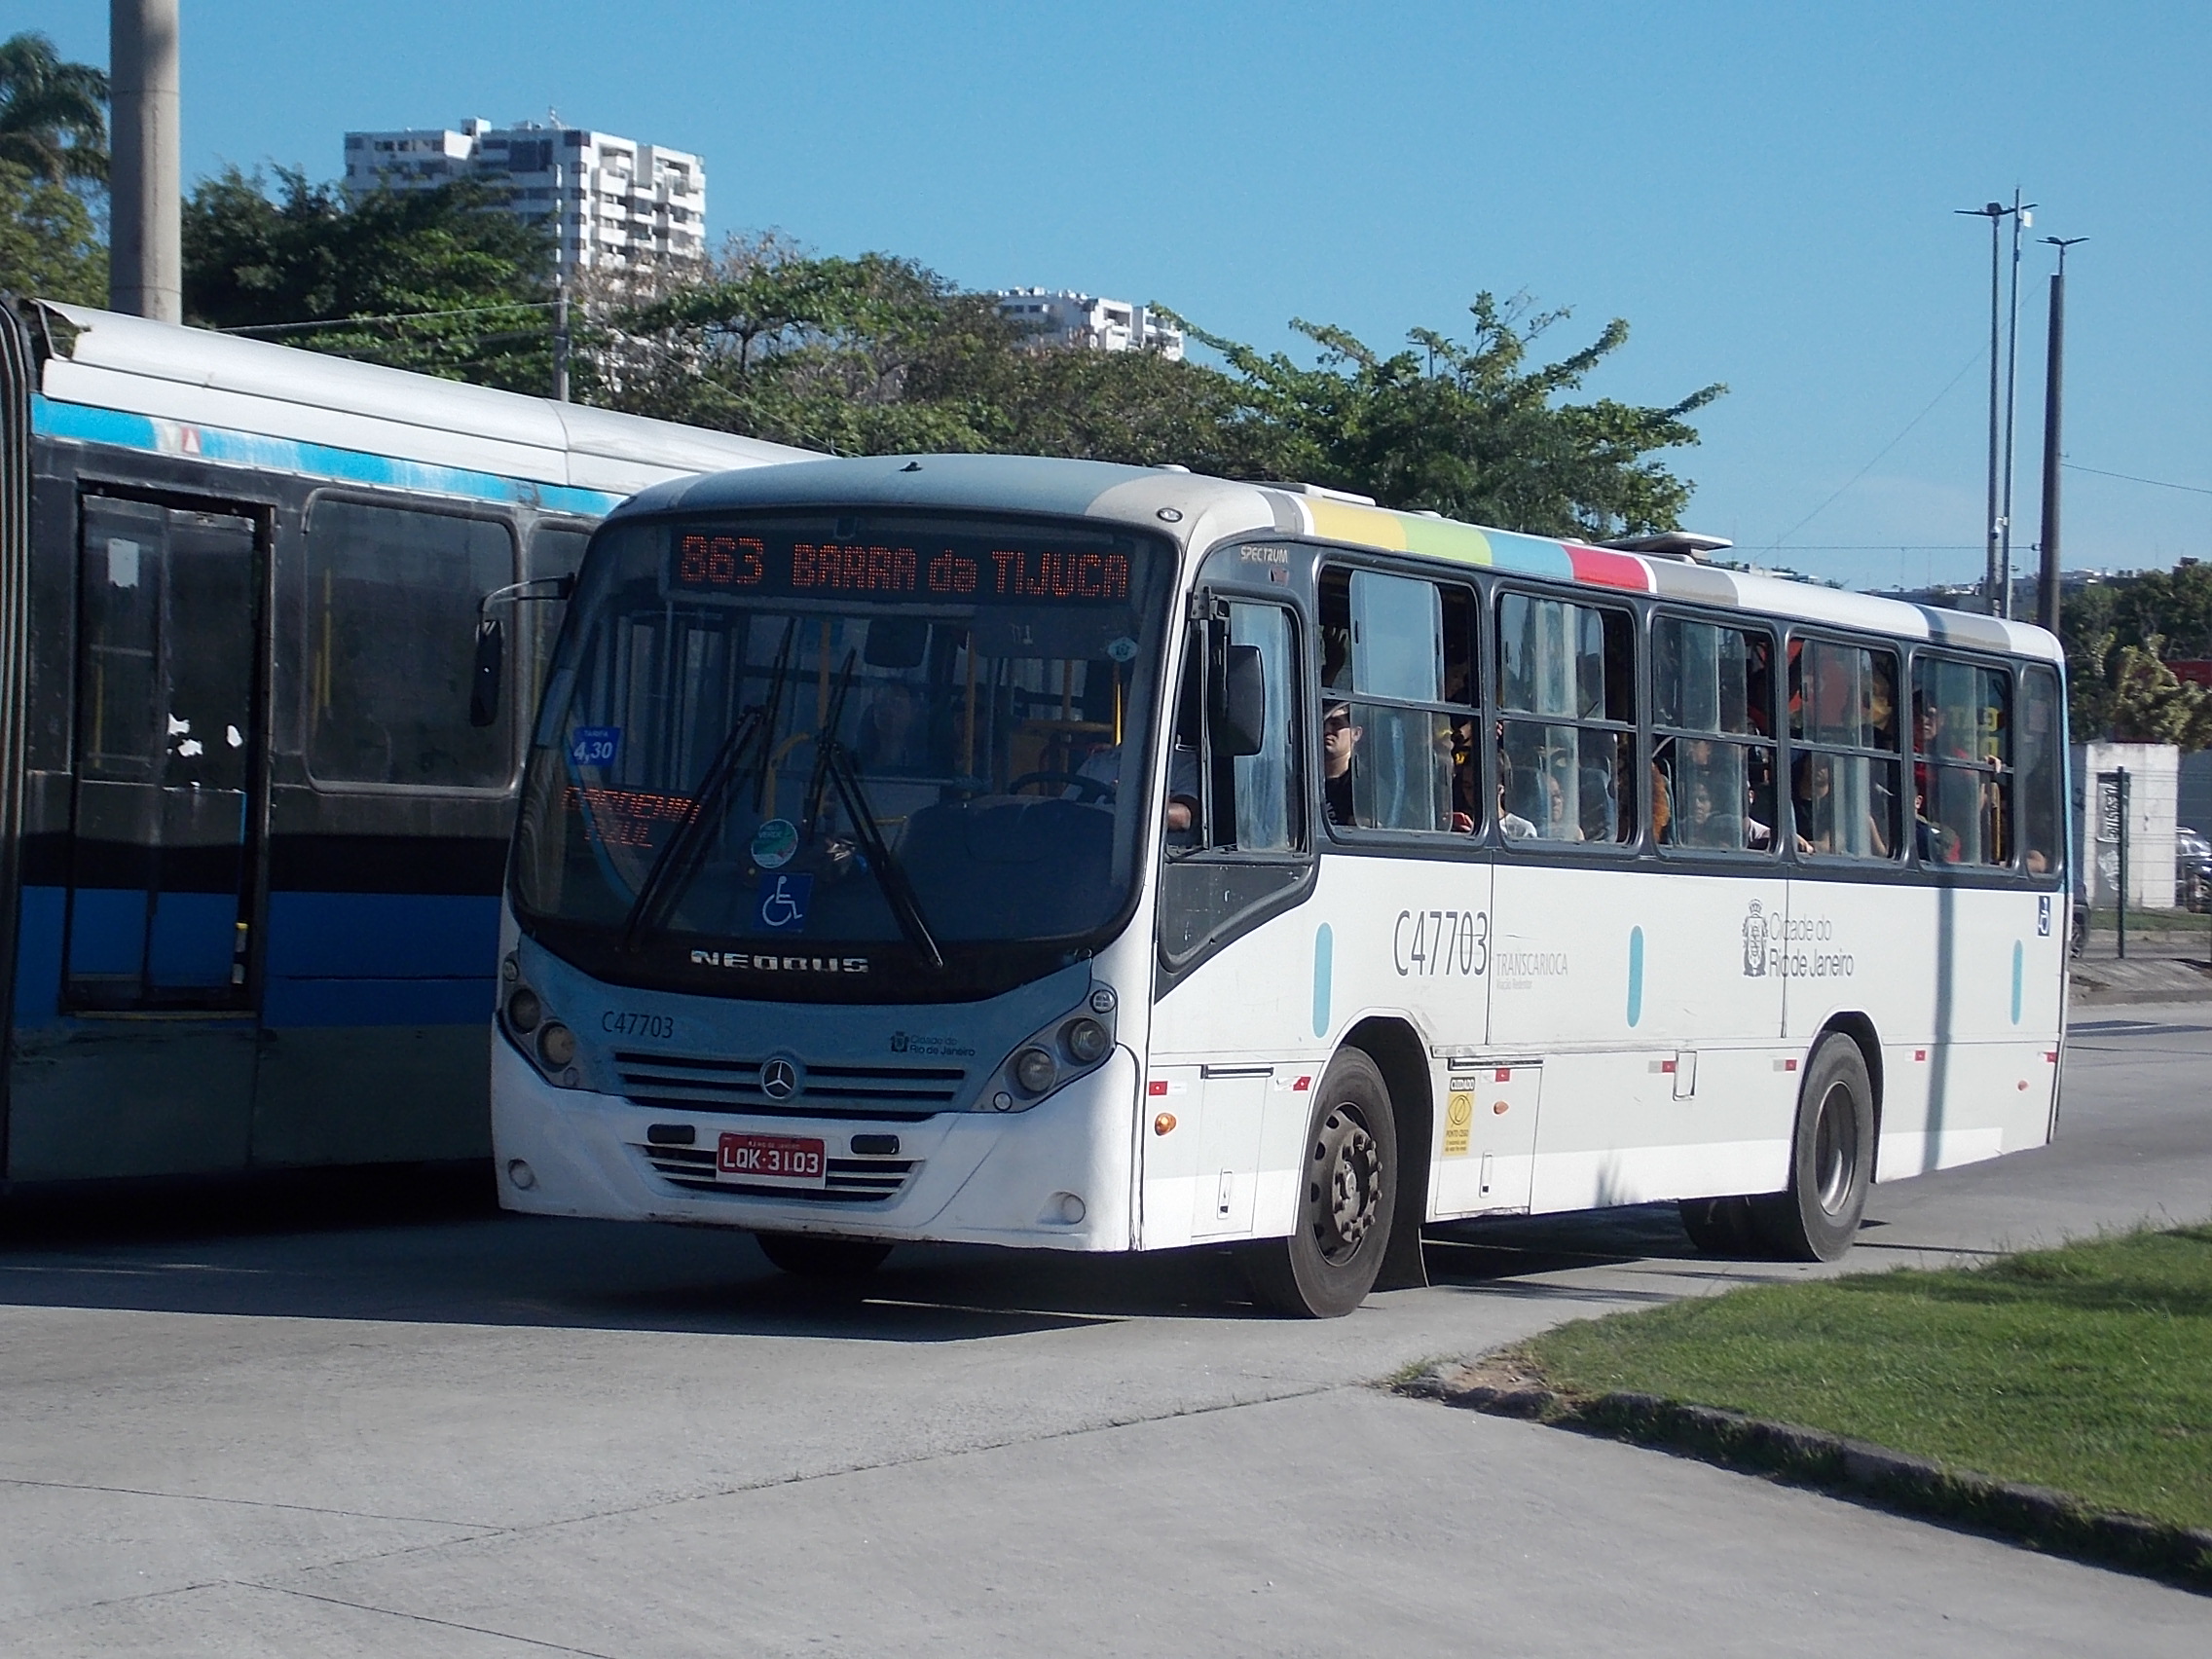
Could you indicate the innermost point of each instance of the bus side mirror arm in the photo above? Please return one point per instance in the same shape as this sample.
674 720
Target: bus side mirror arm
491 641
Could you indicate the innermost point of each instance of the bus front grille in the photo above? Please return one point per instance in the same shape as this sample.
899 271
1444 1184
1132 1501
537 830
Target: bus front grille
846 1180
903 1095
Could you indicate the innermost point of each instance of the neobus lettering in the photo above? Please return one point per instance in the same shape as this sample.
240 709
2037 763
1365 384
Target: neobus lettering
765 963
1430 942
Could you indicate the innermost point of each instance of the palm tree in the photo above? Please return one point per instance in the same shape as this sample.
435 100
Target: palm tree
53 115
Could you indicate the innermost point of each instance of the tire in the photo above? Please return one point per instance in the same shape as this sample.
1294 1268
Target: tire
810 1254
1347 1198
1831 1159
1721 1227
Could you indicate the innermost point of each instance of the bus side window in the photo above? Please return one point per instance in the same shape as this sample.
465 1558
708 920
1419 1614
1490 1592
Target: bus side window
1398 717
1712 696
1843 733
392 624
1217 797
1567 739
2041 777
1962 762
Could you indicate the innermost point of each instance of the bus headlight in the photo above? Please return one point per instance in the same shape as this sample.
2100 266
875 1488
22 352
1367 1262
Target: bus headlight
523 1010
557 1046
1085 1041
1036 1070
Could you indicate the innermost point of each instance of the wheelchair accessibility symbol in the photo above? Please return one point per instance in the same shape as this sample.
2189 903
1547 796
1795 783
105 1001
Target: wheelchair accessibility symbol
784 901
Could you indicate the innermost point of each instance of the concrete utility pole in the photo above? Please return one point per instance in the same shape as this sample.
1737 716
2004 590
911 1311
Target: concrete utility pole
2047 587
146 255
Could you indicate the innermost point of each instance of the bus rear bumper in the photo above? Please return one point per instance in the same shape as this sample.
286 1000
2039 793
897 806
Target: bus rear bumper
1056 1176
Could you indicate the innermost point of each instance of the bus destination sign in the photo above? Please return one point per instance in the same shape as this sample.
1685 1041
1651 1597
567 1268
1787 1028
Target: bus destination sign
940 571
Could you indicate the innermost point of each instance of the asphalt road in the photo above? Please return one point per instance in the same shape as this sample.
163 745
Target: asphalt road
240 1433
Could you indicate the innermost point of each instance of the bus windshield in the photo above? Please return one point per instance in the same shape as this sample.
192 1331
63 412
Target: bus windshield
842 756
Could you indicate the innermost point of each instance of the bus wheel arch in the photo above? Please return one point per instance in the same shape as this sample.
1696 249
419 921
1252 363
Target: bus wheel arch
1402 1058
1347 1217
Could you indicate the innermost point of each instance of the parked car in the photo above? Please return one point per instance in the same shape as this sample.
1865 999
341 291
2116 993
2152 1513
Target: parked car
2192 869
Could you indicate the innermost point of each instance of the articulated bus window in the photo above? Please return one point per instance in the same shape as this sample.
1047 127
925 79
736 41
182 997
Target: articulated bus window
2043 773
1963 763
1566 741
1398 721
1844 739
1713 758
392 630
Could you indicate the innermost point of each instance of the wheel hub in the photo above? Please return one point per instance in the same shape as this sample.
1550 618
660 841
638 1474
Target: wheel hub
1836 1149
1348 1192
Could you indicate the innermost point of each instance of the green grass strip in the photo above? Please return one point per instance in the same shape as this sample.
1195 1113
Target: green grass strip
2086 1369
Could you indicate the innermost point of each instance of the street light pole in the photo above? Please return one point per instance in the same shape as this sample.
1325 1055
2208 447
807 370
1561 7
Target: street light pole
1994 212
2047 584
2022 217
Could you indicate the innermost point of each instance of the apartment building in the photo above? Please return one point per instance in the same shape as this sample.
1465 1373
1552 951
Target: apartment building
614 204
1064 317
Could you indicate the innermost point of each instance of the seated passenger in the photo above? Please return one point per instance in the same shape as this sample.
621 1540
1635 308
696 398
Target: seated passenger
1340 739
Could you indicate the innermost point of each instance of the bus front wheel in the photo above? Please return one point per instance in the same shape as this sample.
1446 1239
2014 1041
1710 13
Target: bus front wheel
810 1254
1348 1198
1831 1159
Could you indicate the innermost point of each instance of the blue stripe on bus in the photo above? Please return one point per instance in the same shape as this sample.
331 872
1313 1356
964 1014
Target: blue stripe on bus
1324 952
333 958
2020 966
1634 974
382 935
304 1003
1529 556
85 423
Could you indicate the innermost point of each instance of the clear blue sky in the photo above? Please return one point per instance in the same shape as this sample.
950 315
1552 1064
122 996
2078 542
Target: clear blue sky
1763 190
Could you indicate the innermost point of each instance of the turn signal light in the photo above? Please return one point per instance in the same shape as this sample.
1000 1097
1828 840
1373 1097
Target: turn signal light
1164 1123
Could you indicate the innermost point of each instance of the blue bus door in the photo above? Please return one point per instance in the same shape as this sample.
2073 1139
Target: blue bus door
166 808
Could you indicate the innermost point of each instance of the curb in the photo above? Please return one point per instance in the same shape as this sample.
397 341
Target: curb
2036 1515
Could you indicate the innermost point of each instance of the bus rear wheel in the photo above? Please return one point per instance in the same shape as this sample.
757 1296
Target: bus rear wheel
1831 1159
812 1255
1347 1198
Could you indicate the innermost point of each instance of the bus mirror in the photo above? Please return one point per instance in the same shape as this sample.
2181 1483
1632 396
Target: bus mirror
1241 703
484 678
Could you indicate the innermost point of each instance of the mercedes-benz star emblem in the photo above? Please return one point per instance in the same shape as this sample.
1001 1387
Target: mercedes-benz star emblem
779 1079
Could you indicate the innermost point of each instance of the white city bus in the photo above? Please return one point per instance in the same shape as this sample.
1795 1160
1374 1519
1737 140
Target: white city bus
1050 854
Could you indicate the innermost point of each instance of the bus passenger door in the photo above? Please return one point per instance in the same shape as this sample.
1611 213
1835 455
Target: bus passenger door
164 816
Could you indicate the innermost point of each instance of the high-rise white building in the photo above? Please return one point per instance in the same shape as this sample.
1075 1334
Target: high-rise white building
616 203
1063 317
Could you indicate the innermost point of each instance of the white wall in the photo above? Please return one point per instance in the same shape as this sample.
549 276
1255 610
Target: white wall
2154 775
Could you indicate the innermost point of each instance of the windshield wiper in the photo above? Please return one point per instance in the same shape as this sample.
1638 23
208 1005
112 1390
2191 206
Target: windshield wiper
678 865
825 740
890 874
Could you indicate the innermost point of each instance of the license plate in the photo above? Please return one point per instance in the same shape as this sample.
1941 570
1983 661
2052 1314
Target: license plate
782 1160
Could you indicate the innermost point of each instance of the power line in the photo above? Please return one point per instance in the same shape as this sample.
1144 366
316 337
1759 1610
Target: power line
1776 544
2163 484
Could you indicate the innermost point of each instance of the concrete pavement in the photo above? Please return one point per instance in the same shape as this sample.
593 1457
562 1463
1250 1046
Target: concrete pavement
499 1436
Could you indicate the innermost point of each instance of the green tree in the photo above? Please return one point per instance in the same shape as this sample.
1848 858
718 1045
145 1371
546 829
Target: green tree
878 355
2149 703
53 114
1471 430
49 246
441 281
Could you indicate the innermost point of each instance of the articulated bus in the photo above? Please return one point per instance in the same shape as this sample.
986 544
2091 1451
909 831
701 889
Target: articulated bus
1052 853
250 843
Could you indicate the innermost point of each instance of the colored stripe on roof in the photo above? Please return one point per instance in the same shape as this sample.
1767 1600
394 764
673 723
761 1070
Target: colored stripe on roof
1390 532
85 422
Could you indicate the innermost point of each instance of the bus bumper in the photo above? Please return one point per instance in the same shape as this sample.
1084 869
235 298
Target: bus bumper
1057 1176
